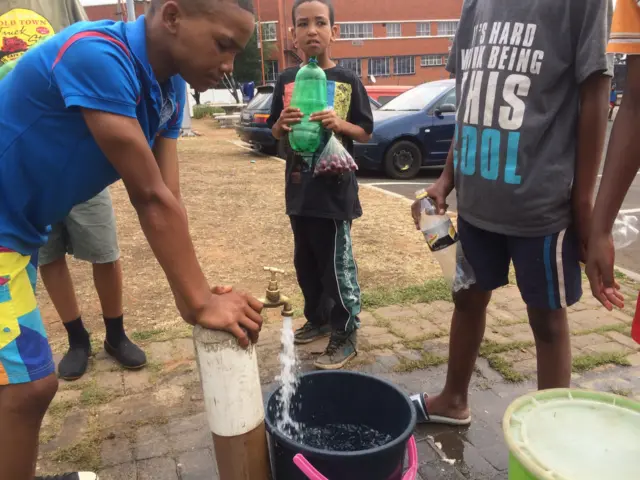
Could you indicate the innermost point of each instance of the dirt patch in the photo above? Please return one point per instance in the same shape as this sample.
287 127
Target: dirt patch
235 201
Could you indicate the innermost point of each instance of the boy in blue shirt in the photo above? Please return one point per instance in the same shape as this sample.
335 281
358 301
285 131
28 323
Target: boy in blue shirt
95 103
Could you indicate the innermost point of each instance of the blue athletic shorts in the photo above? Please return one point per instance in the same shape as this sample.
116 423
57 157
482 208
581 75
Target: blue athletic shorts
547 268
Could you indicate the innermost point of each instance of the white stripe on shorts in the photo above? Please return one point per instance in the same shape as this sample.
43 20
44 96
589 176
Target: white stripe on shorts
560 269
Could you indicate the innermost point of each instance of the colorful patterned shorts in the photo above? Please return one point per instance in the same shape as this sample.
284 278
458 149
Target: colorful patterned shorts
25 354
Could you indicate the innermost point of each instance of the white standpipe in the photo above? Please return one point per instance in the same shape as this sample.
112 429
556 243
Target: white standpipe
234 404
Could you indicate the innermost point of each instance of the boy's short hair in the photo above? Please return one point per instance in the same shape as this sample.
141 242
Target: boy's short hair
199 6
328 3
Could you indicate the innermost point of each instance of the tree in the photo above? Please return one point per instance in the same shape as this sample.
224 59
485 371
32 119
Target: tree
247 67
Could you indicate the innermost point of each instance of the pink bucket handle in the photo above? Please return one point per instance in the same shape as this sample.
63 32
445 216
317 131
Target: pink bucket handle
306 468
313 474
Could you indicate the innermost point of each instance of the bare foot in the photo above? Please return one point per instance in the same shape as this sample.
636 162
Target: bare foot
449 407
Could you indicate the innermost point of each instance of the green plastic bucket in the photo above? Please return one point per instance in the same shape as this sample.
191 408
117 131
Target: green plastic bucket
567 434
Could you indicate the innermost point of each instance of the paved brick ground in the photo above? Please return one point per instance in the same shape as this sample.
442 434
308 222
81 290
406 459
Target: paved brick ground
150 424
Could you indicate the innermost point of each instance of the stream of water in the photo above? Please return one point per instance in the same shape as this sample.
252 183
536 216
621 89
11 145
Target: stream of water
288 379
336 437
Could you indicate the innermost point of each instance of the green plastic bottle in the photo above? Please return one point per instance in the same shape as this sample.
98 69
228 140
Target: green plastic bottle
310 96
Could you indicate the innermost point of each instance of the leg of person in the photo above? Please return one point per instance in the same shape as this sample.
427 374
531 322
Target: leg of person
57 281
333 247
488 255
93 238
550 279
310 283
27 372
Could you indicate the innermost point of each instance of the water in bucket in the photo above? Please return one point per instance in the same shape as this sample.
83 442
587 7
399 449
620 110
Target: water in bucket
354 426
569 434
344 437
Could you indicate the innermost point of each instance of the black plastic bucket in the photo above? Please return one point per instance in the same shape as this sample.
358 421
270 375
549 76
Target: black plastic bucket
344 397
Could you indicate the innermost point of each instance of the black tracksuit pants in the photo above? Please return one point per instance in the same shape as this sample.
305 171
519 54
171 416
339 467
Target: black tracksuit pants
326 271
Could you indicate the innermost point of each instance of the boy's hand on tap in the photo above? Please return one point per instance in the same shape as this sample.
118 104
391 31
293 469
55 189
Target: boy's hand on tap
235 312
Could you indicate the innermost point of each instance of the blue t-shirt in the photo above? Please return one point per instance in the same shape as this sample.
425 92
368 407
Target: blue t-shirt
49 161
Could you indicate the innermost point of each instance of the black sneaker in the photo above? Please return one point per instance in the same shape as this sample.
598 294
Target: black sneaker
342 348
75 362
70 476
310 333
127 354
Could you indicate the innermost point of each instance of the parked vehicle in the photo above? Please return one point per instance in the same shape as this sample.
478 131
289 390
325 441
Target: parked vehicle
383 94
253 127
412 131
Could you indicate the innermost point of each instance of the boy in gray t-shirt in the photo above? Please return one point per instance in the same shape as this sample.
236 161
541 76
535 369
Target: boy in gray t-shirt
532 83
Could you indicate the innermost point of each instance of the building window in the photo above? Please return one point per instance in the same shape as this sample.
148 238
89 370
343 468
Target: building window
379 67
432 60
394 30
447 29
352 64
356 30
271 71
404 65
269 32
423 30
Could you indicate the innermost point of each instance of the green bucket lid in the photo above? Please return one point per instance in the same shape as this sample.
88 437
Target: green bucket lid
567 434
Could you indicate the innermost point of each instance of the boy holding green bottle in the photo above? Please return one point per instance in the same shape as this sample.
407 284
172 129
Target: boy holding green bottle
322 208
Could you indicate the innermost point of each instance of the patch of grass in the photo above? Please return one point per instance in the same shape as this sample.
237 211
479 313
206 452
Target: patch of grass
623 392
428 292
619 275
147 335
618 327
427 360
489 348
370 348
154 369
505 369
84 454
202 111
70 386
417 343
156 421
57 412
96 344
584 363
92 395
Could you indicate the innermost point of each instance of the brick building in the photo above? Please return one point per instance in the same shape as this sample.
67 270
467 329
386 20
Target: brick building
400 42
112 9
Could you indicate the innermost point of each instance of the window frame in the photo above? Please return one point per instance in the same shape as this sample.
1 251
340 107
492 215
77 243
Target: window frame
387 64
358 62
422 34
411 64
394 26
356 31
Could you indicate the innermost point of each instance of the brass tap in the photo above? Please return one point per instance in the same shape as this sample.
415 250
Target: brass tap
273 297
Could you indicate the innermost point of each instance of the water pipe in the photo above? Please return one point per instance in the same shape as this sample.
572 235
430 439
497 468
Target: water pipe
233 396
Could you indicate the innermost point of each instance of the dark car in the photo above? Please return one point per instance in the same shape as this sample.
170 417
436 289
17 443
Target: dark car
253 127
412 131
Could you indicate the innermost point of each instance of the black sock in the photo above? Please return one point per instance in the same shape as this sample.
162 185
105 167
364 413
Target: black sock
115 330
78 335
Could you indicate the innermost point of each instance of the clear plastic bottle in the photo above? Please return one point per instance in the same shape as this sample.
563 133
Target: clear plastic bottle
443 241
310 96
625 230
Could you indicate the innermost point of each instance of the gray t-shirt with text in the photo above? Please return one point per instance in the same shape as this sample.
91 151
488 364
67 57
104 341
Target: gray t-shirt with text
519 65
